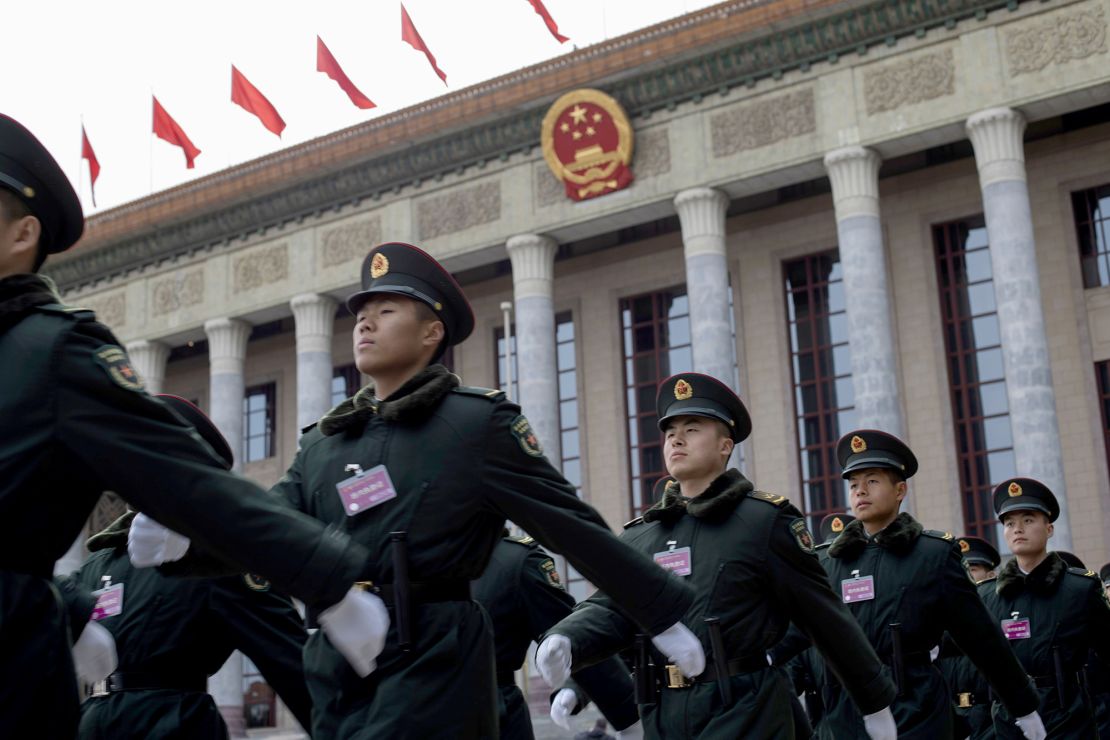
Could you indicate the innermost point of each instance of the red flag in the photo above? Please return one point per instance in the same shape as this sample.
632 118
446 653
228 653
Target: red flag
410 35
247 95
537 5
166 129
326 63
94 164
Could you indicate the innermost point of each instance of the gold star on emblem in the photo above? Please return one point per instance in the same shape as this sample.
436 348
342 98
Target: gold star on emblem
576 135
578 114
565 127
597 117
590 131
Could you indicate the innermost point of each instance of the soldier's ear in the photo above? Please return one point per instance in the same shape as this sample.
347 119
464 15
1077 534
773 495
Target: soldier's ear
433 332
1051 529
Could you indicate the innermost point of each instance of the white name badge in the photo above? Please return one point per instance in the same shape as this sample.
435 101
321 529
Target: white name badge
678 561
366 490
109 602
857 589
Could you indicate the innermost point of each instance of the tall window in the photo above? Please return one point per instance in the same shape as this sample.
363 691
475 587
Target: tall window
345 382
980 409
821 365
656 339
1102 373
1092 223
258 422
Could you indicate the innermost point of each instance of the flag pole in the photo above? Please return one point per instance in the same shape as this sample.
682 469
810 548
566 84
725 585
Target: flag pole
81 161
150 145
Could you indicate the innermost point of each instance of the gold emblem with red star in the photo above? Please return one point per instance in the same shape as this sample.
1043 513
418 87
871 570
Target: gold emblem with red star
837 524
683 390
858 445
964 546
587 142
379 265
1014 490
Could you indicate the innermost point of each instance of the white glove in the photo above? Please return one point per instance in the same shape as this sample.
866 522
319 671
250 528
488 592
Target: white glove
553 660
94 653
565 702
149 543
880 725
357 627
632 732
1031 726
679 644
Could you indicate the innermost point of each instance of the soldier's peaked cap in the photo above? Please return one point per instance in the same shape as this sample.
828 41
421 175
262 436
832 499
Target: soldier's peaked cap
29 171
1104 574
870 448
1025 494
204 426
976 551
695 394
403 269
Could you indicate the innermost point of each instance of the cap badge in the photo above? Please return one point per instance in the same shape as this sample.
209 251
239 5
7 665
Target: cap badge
379 265
858 445
28 191
964 547
837 524
1014 489
683 390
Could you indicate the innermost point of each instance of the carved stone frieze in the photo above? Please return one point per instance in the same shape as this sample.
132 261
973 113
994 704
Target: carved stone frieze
1056 38
763 122
110 308
652 154
177 290
906 81
261 267
549 189
460 209
350 241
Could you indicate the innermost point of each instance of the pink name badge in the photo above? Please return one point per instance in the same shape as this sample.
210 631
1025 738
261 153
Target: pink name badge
365 491
1016 629
857 589
677 561
109 602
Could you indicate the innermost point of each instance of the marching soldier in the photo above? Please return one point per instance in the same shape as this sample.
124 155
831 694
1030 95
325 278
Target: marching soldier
1052 615
906 586
424 472
751 562
78 422
171 634
524 597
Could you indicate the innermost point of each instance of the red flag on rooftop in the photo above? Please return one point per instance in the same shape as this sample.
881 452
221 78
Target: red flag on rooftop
94 164
410 35
327 64
538 6
245 94
166 129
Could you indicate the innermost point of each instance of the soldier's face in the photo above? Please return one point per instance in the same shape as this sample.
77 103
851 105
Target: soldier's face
875 495
694 447
1027 532
390 335
979 572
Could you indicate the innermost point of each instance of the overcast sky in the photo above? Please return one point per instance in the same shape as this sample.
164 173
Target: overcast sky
101 61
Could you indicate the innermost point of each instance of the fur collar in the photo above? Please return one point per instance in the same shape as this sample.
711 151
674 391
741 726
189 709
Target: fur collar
20 293
411 402
1044 579
114 535
898 537
718 501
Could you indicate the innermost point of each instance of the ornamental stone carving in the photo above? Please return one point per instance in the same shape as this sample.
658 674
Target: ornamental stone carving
111 308
763 122
1056 38
178 290
548 188
907 81
459 209
653 153
342 244
261 267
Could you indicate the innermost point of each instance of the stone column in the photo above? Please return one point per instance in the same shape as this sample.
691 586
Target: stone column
996 135
854 173
149 358
314 316
533 261
701 212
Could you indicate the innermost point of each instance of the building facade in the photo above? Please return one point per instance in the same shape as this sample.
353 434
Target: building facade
885 214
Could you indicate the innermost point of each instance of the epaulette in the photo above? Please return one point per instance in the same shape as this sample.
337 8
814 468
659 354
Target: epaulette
309 428
525 540
947 536
634 522
73 312
771 498
1084 572
469 390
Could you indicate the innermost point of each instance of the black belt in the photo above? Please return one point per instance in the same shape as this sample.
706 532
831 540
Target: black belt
673 678
421 592
130 681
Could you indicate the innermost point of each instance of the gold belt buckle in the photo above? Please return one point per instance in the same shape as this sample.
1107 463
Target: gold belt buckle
100 688
675 679
965 700
365 586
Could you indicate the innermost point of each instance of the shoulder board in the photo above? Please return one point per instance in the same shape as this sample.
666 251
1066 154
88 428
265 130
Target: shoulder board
525 540
309 428
75 312
634 522
771 498
468 390
948 536
1084 572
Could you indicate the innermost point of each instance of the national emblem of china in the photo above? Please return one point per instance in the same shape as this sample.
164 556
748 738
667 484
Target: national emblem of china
587 142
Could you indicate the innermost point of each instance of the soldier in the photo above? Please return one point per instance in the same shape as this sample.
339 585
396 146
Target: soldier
969 690
173 633
1052 615
424 472
524 597
906 586
1099 676
751 562
79 422
830 528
